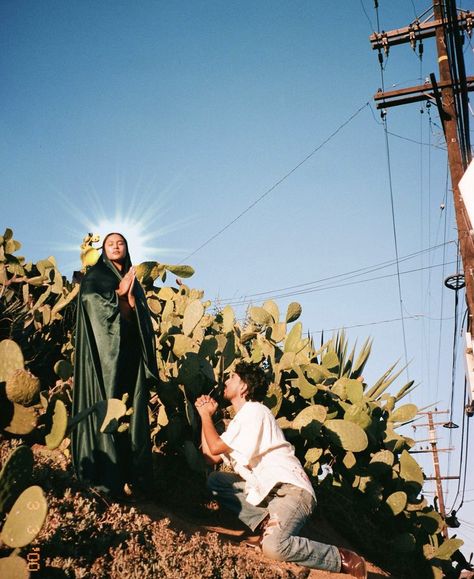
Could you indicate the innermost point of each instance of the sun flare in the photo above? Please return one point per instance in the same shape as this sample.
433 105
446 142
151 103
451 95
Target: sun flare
134 233
140 217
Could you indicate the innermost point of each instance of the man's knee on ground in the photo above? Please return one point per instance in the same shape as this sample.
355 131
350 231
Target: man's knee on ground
273 545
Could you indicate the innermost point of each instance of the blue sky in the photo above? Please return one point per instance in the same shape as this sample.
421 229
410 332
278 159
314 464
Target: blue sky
181 115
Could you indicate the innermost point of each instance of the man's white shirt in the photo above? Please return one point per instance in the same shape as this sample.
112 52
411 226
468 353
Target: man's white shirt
260 453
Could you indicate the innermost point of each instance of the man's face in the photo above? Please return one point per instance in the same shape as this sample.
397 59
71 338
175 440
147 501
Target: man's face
234 387
115 248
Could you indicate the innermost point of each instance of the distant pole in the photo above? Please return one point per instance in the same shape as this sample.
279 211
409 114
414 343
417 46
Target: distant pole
439 486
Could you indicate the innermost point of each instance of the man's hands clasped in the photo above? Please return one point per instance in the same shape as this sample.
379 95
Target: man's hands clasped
206 406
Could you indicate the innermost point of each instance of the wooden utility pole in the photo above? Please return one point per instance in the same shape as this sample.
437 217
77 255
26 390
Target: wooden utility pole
434 451
443 93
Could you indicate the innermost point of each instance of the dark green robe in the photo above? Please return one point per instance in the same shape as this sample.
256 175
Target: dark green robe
113 356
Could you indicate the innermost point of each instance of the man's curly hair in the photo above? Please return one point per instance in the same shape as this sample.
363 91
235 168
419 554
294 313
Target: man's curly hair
255 378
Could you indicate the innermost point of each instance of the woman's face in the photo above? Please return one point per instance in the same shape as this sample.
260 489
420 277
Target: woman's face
115 248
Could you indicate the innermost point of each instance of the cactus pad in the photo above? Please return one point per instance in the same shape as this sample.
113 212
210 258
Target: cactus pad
347 434
397 502
25 519
313 415
410 471
293 312
63 369
14 567
24 420
192 316
110 411
11 358
272 309
58 427
404 413
15 476
260 316
228 318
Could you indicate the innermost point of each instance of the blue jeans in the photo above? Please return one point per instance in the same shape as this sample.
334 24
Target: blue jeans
288 507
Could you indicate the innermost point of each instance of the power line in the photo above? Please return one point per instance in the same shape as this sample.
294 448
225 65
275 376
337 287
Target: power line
347 275
275 185
376 323
392 205
367 16
334 286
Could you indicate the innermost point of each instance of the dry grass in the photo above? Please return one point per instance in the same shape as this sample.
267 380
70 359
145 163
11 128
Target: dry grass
174 536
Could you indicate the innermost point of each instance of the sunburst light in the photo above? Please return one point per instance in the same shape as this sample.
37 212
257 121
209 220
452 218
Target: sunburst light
142 218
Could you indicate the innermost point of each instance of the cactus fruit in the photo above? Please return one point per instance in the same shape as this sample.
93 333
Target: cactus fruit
22 387
25 519
15 476
11 359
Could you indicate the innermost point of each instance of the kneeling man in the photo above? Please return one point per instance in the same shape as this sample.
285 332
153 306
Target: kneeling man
269 489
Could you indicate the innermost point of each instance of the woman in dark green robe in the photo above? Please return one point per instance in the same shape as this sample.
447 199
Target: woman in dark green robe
115 354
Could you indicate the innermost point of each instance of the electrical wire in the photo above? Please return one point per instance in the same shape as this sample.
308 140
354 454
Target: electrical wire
461 453
417 142
455 342
279 182
377 323
242 302
367 16
442 285
394 227
348 275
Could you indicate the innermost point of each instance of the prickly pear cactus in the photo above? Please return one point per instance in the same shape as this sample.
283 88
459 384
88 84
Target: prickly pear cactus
15 476
23 420
59 422
11 359
22 387
64 369
14 567
25 519
337 422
